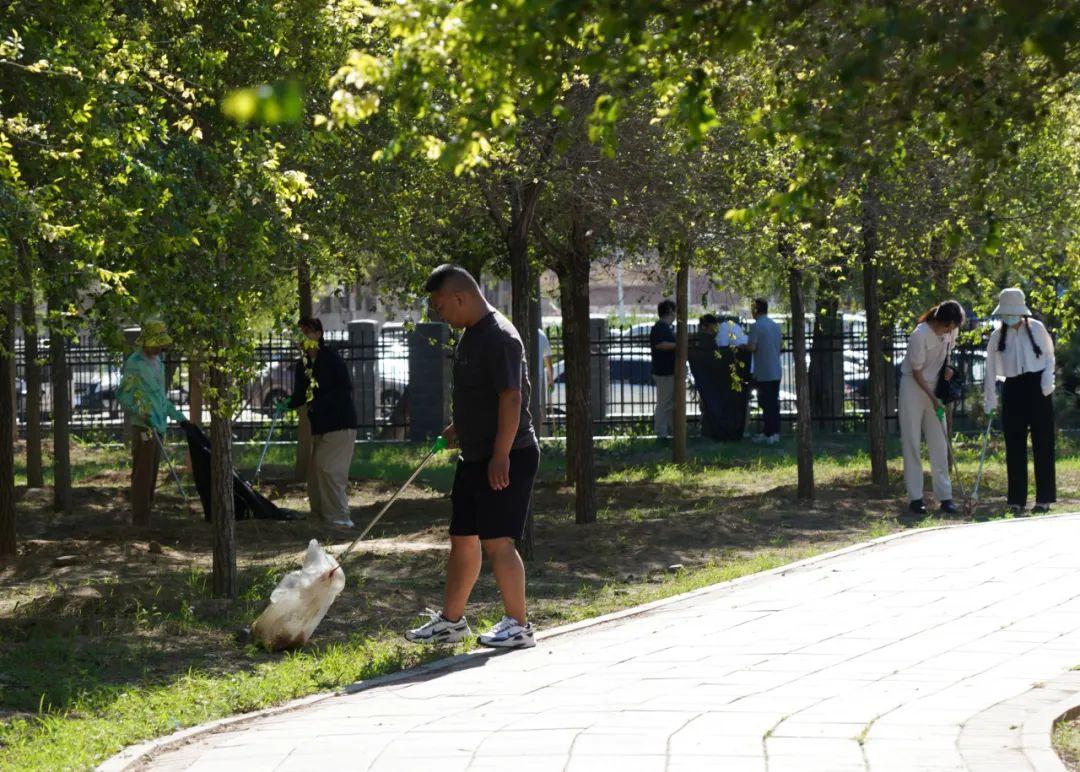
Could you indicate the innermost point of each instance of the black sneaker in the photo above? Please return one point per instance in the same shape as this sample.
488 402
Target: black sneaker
1041 509
918 507
1017 511
949 508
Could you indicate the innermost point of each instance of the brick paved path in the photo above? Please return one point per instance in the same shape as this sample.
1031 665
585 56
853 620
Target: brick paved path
887 658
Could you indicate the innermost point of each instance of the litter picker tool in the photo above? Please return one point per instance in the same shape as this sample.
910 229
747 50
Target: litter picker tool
440 444
172 469
301 600
952 456
974 501
266 445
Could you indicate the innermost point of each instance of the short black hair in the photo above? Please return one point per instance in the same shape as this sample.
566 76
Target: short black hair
310 323
761 306
449 272
707 319
665 307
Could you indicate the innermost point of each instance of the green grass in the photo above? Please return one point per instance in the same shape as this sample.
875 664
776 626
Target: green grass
1067 743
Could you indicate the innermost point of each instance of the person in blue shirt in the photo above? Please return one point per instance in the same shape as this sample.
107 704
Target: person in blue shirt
764 341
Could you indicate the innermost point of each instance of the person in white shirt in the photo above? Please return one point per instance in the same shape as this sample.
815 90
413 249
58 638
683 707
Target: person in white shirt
730 332
545 371
1021 354
927 355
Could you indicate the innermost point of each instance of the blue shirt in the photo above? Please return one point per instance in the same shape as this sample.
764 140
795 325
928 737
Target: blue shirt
766 337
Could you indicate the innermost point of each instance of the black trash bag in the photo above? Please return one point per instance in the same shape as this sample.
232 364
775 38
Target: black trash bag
248 502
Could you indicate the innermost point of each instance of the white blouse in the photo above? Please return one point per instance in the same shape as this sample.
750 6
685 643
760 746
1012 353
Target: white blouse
1018 358
926 351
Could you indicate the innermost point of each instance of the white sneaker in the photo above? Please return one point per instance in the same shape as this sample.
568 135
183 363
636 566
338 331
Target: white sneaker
439 630
344 521
759 438
772 439
509 634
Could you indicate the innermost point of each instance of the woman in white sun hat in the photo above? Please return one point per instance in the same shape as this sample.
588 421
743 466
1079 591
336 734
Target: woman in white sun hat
1021 353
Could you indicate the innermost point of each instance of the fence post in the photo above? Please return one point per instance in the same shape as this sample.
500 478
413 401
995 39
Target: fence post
600 372
429 380
363 368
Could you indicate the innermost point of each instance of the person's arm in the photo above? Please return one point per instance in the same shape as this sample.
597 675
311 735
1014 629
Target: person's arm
990 397
664 345
916 353
751 340
300 385
505 365
550 370
509 418
1048 374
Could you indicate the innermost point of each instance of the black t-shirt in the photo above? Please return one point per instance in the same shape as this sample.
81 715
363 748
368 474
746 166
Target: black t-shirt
489 359
663 362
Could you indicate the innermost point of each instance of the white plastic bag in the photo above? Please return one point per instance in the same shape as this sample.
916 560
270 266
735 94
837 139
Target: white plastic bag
299 602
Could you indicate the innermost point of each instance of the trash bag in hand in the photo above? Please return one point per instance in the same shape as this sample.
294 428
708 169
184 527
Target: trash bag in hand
299 602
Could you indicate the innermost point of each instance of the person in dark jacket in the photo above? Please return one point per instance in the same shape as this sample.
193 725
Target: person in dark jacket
322 383
705 367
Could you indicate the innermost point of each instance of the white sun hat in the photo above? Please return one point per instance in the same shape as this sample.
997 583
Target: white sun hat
1011 301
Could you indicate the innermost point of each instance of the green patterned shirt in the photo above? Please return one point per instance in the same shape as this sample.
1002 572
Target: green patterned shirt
142 393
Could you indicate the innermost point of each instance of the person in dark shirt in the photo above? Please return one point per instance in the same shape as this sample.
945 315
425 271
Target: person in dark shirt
498 463
662 346
322 383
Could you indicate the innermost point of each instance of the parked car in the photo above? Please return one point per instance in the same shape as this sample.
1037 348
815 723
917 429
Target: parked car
631 390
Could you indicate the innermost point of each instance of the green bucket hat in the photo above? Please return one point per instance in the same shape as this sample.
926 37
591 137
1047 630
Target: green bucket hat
153 334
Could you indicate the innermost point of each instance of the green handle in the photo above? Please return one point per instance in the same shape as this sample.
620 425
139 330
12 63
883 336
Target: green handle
440 444
940 413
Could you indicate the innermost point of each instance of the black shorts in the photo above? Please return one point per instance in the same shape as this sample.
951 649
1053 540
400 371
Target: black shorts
480 511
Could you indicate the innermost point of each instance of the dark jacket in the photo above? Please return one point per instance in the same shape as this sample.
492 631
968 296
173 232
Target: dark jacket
331 408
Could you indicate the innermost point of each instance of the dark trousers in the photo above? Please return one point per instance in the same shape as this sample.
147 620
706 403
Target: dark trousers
1024 408
768 397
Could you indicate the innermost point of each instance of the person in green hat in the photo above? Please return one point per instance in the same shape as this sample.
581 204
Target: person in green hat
143 396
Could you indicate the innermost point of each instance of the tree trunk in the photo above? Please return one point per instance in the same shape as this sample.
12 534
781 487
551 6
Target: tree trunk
575 293
61 409
303 425
35 477
221 493
521 306
7 432
879 468
682 305
827 361
195 396
804 440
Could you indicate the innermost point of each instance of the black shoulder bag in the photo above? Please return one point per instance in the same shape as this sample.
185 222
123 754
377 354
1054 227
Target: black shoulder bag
952 389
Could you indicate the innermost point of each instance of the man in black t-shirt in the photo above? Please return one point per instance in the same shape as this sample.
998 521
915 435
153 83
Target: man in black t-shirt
498 463
662 346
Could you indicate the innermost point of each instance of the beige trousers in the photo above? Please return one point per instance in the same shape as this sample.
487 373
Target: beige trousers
664 417
328 474
918 420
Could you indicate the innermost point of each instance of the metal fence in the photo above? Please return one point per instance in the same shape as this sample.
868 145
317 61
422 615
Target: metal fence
624 394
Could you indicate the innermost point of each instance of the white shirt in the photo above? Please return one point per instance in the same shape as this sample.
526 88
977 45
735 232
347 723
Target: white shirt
926 351
544 353
730 334
1018 358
